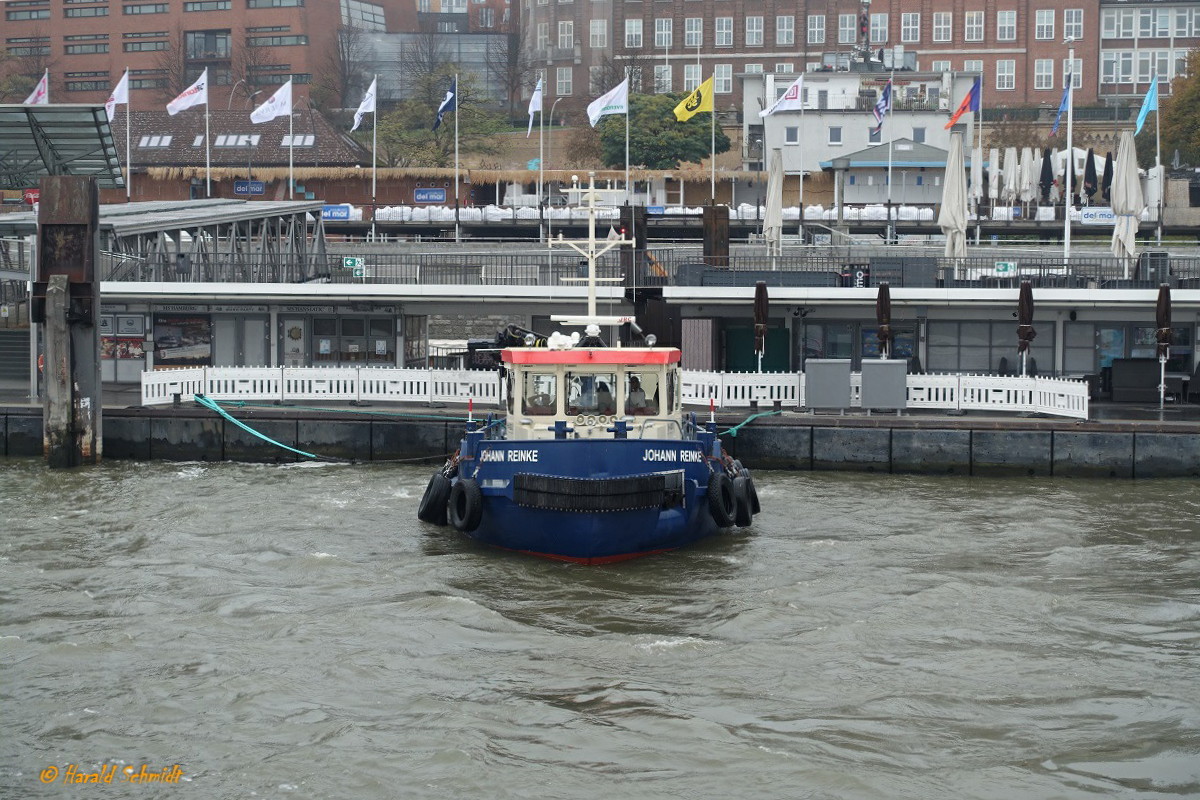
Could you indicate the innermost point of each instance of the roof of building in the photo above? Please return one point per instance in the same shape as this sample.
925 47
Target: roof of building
61 139
905 154
161 140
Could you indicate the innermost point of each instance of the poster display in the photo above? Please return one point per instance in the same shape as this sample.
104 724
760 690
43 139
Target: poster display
182 340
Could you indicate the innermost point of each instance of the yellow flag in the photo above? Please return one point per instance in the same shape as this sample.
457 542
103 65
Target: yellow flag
700 99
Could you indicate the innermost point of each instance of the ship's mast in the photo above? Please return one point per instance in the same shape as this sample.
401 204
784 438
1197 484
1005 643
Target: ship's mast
591 249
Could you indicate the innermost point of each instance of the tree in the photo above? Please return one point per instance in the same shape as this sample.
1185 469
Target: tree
406 135
22 67
248 65
424 61
341 82
656 139
1180 117
509 63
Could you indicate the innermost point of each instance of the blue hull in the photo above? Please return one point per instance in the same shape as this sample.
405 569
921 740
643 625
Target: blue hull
513 521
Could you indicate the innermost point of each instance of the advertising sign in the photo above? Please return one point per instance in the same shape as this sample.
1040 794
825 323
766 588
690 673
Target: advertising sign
429 196
1097 215
335 212
248 188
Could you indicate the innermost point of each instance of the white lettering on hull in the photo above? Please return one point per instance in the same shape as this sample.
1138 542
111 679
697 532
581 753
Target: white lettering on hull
673 456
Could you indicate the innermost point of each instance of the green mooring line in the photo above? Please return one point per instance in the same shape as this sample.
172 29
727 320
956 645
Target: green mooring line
734 430
212 406
397 414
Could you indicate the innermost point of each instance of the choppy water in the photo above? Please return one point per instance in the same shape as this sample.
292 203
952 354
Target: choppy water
292 631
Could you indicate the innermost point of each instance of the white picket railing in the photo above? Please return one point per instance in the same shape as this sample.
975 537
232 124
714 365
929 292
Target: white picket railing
948 392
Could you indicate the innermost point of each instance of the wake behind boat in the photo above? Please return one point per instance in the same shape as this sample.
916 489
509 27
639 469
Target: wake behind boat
595 459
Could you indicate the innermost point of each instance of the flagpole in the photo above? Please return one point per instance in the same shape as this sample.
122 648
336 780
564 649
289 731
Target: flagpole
207 147
801 163
374 153
541 165
1070 170
628 191
128 124
891 226
979 189
457 106
1162 184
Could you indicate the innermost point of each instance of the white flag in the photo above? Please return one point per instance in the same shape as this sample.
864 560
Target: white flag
535 105
791 100
367 106
41 93
277 105
615 102
120 94
194 95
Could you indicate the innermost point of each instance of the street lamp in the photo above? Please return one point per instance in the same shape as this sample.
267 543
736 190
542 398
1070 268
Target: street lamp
229 104
550 138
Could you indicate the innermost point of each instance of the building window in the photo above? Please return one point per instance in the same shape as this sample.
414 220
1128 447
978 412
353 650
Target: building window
1006 74
86 49
1073 23
662 79
664 32
754 69
910 28
276 41
691 77
566 35
816 29
36 13
879 28
1006 26
943 26
785 30
918 135
847 29
298 140
543 36
154 141
973 26
835 134
693 32
875 135
633 34
724 32
146 8
209 5
1043 73
562 81
1075 70
722 78
236 140
207 44
791 135
754 31
598 34
101 11
941 66
274 3
973 65
595 76
785 69
1043 28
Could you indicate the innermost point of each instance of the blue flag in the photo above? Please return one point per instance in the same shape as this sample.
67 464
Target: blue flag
1062 107
449 103
1148 105
882 107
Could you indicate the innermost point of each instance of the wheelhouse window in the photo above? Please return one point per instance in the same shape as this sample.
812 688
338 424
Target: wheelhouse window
540 394
642 394
591 393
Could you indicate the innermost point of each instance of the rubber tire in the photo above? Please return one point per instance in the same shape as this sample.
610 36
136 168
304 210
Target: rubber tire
466 505
433 502
744 514
722 503
752 493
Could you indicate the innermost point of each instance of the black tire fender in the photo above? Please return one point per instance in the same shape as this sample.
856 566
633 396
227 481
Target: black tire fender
744 514
465 508
433 502
752 493
722 503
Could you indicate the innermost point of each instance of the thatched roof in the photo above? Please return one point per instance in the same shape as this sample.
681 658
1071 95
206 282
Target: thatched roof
689 174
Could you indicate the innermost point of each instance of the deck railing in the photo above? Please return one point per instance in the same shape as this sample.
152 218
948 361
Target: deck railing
724 390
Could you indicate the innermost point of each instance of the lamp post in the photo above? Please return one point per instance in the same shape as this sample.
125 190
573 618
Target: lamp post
229 104
840 165
550 141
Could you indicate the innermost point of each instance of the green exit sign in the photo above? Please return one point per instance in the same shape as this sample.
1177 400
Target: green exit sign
1006 268
352 262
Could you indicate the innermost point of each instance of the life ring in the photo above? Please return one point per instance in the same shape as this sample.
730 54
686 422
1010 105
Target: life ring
433 502
465 508
41 363
722 503
744 514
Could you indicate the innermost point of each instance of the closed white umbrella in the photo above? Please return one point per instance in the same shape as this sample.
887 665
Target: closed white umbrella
1056 187
1012 176
1029 173
975 190
773 214
994 173
1127 200
952 218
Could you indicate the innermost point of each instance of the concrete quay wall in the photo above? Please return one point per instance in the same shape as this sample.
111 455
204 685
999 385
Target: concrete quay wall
960 446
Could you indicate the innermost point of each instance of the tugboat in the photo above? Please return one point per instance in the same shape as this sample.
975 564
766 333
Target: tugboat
595 460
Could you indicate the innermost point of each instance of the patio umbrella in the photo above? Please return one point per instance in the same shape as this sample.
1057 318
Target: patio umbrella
1089 175
1162 318
1047 177
1025 331
1106 178
975 190
952 217
761 312
1029 174
773 214
883 316
1012 176
1127 201
994 173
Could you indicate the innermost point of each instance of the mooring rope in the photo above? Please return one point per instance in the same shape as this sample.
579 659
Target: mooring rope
211 405
734 430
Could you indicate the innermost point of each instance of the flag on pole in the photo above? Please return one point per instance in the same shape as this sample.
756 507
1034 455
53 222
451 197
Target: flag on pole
615 101
700 99
277 105
1062 107
535 106
449 102
1148 105
790 100
882 107
40 95
969 103
194 95
120 94
367 106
